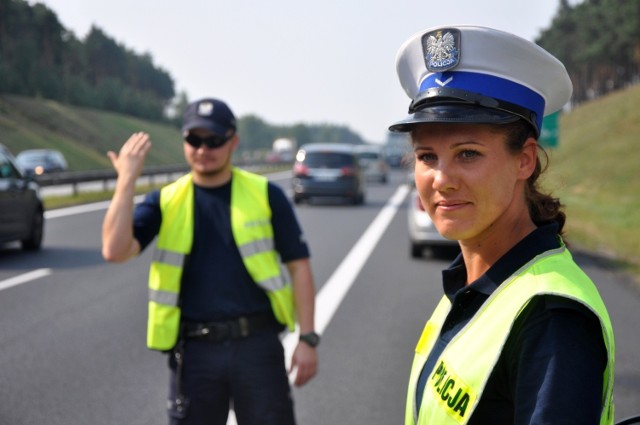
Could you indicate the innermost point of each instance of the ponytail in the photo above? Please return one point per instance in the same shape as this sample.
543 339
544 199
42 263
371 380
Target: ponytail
543 208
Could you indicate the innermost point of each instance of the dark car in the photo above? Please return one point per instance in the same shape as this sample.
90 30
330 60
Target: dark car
328 170
21 208
41 161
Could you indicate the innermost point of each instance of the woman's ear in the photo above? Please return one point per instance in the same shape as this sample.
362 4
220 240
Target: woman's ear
528 158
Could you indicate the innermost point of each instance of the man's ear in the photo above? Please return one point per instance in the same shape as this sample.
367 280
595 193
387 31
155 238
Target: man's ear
234 141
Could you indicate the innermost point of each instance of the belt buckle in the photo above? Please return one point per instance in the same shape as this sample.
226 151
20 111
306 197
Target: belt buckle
243 322
199 330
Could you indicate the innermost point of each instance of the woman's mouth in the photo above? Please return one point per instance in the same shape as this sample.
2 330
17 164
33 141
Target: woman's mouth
450 205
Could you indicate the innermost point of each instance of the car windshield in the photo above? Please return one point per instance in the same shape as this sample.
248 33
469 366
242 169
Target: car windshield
32 158
368 155
328 159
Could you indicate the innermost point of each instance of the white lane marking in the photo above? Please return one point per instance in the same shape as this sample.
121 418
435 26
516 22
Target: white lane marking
85 208
330 296
79 209
23 278
332 293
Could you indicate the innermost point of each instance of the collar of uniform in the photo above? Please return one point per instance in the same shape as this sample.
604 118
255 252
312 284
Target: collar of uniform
542 239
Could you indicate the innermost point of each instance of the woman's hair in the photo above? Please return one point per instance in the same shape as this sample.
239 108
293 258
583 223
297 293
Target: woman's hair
543 208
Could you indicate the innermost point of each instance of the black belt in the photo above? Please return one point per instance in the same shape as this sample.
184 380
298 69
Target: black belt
241 327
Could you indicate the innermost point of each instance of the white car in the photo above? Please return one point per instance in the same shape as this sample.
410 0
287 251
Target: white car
422 232
373 162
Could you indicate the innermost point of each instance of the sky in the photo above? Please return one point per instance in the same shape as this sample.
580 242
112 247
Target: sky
292 61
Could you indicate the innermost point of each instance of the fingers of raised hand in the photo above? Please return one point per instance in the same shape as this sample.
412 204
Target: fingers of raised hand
138 144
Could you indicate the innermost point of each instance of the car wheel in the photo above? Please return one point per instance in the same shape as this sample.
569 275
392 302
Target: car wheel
416 250
34 241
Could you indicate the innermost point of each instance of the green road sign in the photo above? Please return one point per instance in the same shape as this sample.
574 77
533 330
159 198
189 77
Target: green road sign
549 132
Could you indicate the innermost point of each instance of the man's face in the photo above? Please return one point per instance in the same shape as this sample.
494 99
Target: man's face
205 160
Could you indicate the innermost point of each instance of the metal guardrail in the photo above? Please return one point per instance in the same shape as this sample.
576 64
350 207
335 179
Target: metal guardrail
75 178
72 177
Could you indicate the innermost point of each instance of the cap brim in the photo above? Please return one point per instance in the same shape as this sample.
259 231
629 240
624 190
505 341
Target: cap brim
456 114
206 124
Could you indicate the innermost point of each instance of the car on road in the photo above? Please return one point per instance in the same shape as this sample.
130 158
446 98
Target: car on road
373 163
41 161
423 233
21 207
328 170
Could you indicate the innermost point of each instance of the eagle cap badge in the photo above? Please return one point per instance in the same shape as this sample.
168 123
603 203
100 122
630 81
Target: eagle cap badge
441 49
205 108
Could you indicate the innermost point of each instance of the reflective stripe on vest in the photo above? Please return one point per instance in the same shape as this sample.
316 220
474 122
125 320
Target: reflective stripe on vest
455 385
253 233
173 244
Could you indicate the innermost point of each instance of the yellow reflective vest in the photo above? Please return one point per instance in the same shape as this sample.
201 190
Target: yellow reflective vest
455 386
253 234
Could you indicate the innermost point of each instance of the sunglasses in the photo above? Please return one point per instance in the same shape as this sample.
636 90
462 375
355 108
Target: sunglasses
212 142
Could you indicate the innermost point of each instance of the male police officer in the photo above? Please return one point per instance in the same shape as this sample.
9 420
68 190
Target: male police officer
218 293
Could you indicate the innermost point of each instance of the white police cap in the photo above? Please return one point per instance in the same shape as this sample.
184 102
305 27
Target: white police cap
471 74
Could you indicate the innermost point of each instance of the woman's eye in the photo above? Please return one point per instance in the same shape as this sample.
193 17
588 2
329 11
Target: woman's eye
469 154
427 157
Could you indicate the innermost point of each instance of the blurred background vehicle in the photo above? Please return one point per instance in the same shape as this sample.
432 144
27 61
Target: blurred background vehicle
41 161
21 208
373 162
422 232
395 158
283 151
397 150
328 170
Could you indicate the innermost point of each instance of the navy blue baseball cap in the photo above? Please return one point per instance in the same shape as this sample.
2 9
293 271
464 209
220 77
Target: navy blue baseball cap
471 74
211 114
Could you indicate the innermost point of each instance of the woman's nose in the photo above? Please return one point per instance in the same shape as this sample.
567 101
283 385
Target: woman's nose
444 178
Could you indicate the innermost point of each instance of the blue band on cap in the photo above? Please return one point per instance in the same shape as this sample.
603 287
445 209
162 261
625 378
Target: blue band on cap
491 86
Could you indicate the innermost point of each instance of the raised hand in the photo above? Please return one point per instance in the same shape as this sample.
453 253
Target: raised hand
129 162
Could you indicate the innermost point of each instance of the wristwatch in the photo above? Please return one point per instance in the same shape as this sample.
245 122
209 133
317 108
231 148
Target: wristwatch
312 339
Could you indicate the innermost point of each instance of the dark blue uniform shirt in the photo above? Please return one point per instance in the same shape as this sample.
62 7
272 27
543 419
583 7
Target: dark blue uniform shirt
551 368
215 284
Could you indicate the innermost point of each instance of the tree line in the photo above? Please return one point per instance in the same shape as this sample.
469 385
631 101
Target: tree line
597 40
599 43
39 57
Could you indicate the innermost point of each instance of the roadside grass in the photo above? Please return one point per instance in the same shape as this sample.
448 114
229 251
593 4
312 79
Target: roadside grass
83 135
595 171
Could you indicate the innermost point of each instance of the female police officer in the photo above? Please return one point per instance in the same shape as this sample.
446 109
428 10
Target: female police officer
521 335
